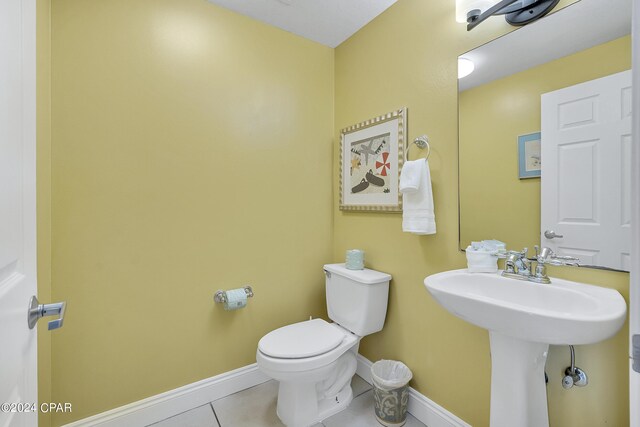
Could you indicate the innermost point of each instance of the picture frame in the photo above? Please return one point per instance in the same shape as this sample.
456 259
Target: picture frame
371 156
529 160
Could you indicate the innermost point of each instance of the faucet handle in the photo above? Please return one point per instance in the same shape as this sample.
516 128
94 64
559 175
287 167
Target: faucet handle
507 254
563 260
544 255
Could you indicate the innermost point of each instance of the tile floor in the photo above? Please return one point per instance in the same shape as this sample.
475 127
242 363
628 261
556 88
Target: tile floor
256 407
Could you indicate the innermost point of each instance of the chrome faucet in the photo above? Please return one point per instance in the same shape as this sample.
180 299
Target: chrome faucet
519 266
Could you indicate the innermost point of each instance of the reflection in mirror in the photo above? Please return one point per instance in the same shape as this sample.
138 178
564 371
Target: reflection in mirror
566 77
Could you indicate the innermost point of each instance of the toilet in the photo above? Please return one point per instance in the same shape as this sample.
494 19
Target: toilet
314 360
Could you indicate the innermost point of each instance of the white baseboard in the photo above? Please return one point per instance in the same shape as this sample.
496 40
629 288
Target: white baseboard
421 407
173 402
159 407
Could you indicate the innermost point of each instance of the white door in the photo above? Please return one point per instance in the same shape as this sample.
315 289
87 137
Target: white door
17 209
634 282
586 171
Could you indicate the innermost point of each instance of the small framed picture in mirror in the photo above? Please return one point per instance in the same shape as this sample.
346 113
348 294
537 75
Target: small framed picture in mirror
529 164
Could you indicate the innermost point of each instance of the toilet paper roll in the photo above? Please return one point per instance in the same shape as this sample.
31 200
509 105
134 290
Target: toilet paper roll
236 299
355 259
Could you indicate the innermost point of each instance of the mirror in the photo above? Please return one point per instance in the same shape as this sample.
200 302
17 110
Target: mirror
516 183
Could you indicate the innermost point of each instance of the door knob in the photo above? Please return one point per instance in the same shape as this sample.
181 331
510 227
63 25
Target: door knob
550 234
37 310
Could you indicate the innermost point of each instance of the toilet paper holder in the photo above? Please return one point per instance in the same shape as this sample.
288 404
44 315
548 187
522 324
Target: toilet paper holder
221 296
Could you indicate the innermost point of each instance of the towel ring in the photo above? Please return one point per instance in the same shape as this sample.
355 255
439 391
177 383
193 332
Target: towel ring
422 142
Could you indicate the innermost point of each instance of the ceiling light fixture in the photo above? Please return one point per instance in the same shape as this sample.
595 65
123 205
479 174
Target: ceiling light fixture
465 67
516 12
464 6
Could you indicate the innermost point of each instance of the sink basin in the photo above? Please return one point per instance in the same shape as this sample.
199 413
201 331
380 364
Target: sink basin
562 312
523 318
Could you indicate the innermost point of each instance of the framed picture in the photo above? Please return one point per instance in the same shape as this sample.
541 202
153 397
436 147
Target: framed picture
371 156
529 163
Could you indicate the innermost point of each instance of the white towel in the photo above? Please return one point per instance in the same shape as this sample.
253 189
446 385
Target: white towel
410 176
417 204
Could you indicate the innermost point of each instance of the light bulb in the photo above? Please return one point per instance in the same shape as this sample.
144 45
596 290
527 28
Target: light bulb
465 67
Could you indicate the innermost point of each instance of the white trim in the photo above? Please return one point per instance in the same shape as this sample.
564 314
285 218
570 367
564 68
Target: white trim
364 368
430 413
421 407
162 406
159 407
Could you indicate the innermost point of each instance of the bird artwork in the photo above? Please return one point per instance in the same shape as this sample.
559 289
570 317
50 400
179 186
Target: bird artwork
370 159
370 165
367 150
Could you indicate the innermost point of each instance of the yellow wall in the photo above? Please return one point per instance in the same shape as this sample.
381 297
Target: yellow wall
491 118
191 152
43 194
407 57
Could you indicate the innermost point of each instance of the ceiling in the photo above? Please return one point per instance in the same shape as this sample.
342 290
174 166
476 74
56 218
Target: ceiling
579 26
329 22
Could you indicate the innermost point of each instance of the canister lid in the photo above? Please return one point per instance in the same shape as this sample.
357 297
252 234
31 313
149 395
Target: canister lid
366 276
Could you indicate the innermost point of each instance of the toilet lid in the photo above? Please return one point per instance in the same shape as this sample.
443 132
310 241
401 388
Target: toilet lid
299 340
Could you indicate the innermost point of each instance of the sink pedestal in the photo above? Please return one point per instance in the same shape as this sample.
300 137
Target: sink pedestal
518 388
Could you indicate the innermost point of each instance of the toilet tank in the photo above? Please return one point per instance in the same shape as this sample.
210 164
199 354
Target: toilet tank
357 299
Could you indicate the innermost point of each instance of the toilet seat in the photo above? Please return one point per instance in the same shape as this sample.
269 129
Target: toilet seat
287 364
301 340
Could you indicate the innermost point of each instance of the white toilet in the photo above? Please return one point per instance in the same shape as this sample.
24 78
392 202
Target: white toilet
314 361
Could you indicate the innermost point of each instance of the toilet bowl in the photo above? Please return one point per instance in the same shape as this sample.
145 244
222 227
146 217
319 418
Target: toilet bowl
314 361
315 378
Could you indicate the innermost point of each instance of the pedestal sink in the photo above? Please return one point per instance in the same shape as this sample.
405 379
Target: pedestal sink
523 318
